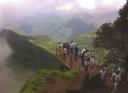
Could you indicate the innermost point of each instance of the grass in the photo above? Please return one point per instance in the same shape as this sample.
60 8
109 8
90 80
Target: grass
85 40
50 45
36 81
44 42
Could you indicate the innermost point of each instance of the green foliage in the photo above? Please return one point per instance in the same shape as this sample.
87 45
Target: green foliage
71 75
50 44
44 42
105 33
40 79
114 38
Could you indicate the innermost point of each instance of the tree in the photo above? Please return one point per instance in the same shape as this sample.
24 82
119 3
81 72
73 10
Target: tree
114 38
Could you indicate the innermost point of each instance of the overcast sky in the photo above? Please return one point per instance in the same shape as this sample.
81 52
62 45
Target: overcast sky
10 9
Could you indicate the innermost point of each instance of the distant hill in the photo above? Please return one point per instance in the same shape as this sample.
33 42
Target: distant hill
61 28
27 56
50 44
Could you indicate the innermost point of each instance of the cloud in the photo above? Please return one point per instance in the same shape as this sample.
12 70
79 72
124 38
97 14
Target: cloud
87 4
66 7
109 5
16 9
27 6
91 6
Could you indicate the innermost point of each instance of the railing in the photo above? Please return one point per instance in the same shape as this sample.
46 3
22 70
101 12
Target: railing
75 63
69 60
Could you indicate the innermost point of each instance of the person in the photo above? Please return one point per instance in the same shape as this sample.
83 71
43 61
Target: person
78 46
82 51
118 69
113 76
65 53
68 48
105 68
60 45
76 50
90 53
92 62
86 55
64 45
59 49
71 47
86 64
116 80
102 76
75 56
86 60
71 53
121 70
82 55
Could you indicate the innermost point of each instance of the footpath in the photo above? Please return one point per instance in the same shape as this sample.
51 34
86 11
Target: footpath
77 65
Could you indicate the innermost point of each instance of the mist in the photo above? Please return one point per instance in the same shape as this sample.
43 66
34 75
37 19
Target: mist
10 82
13 10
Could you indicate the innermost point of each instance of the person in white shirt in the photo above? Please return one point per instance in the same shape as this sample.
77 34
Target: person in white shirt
86 60
92 62
116 80
82 51
82 55
60 45
113 76
121 70
102 75
65 53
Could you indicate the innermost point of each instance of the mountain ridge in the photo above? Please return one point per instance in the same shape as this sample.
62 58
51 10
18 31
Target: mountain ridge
26 55
62 27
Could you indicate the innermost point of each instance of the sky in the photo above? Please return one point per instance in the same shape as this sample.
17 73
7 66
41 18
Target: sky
12 9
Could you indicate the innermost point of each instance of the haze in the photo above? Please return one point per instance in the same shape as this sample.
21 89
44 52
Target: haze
11 10
17 9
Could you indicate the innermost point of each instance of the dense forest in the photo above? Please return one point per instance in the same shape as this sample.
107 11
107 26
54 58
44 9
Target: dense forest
113 37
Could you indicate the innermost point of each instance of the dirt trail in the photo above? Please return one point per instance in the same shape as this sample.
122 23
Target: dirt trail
121 89
71 63
93 71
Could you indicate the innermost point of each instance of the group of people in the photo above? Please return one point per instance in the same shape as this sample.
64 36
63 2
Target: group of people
69 48
117 76
74 50
87 58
